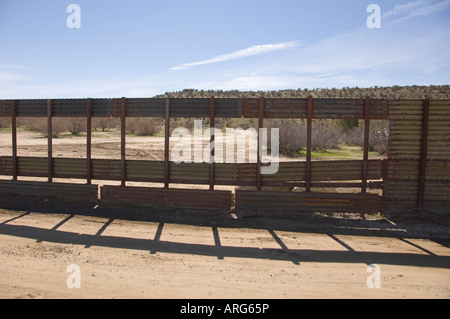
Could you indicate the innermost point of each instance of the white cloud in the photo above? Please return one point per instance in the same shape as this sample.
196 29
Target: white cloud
402 8
251 51
415 8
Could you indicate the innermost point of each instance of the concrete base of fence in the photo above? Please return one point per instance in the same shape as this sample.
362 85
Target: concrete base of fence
162 197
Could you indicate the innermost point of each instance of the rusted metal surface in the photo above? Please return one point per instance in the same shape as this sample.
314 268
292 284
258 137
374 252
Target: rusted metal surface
89 142
166 144
419 153
240 174
423 153
212 152
123 110
323 108
259 151
50 141
78 192
14 140
367 105
309 142
162 197
307 202
200 107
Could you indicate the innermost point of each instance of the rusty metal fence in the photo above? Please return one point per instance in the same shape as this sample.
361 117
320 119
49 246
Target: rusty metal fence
416 173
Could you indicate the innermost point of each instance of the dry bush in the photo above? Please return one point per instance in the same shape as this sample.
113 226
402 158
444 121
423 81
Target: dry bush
105 123
378 136
324 136
4 123
292 135
143 126
75 125
353 136
39 125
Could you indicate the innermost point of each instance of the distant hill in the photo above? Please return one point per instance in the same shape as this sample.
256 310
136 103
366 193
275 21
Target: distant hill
392 92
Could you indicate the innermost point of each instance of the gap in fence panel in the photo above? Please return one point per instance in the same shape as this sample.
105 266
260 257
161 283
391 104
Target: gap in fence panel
32 143
69 137
69 149
145 143
238 142
292 138
5 146
105 150
106 138
145 139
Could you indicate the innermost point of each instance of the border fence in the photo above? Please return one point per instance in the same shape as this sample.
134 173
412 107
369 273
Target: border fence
415 174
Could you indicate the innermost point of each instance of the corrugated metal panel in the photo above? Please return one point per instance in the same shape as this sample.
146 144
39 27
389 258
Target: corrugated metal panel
160 197
323 202
69 168
31 108
439 130
275 107
106 169
6 166
405 151
405 142
192 173
101 107
144 170
5 108
81 192
144 107
69 107
32 166
200 108
322 108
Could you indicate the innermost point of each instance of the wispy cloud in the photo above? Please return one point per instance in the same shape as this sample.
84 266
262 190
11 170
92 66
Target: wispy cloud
415 8
402 8
251 51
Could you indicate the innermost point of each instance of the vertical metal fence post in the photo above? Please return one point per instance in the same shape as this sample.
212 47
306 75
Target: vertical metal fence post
309 115
123 110
14 139
89 143
212 125
50 140
366 144
259 153
423 154
166 144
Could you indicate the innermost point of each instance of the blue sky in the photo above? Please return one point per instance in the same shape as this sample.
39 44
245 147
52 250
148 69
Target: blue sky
140 48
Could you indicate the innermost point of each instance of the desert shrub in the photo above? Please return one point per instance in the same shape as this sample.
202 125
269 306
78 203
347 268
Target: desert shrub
353 136
292 135
39 125
346 124
143 126
105 123
75 125
378 137
4 123
324 136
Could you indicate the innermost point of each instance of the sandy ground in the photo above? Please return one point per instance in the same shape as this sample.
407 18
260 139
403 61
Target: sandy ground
205 255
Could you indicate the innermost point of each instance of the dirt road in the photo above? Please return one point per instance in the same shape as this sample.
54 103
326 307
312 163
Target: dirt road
226 256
